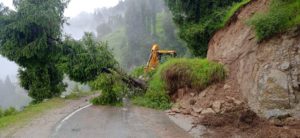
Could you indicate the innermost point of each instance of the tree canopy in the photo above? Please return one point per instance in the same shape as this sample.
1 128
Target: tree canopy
32 37
198 20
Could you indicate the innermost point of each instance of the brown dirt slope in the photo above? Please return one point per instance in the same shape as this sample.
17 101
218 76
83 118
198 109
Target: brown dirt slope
241 106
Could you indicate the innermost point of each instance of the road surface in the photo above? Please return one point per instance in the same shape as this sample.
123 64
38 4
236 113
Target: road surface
80 120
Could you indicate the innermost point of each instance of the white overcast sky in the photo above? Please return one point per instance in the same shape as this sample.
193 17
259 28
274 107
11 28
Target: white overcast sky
77 6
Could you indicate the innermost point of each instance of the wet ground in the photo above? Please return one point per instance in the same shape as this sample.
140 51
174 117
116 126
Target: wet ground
79 119
113 122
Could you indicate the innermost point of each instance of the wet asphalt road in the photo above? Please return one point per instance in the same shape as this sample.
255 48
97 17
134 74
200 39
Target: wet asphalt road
113 122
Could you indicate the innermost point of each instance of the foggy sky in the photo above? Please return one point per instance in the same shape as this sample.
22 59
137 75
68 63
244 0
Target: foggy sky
77 6
8 68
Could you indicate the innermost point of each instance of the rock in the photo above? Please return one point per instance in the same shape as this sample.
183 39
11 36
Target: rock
296 85
192 94
175 110
290 121
217 106
193 102
285 66
208 111
197 110
168 111
276 122
185 111
297 59
226 87
202 94
275 113
194 114
274 91
237 102
172 113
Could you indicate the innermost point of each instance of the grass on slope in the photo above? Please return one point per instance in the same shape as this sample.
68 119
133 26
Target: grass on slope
282 15
233 9
178 73
29 113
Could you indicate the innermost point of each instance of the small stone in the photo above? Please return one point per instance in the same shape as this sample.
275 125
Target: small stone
237 102
176 110
192 94
266 66
202 94
194 114
226 87
276 122
168 111
217 106
276 113
208 111
285 66
193 102
185 111
295 84
172 113
197 110
290 121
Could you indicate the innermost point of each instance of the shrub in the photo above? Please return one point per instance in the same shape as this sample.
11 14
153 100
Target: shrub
1 113
10 111
156 100
137 72
282 15
112 90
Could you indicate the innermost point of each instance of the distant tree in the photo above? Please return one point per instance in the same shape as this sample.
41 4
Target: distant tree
9 85
102 30
30 36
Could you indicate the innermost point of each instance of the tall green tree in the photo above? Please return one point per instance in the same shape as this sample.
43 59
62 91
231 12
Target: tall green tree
31 36
198 20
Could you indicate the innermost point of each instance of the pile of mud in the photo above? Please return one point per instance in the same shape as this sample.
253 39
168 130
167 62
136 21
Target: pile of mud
223 111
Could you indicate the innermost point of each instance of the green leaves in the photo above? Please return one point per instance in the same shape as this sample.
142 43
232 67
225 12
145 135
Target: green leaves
86 58
199 19
30 37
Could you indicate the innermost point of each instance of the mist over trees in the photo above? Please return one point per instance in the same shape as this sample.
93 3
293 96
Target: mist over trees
131 28
12 95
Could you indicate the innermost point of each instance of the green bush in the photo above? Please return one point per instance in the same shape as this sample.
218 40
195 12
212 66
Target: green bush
282 15
10 111
112 90
179 73
137 72
156 100
1 113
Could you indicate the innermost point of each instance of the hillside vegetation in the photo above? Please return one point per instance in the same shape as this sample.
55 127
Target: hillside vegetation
176 74
198 20
282 15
